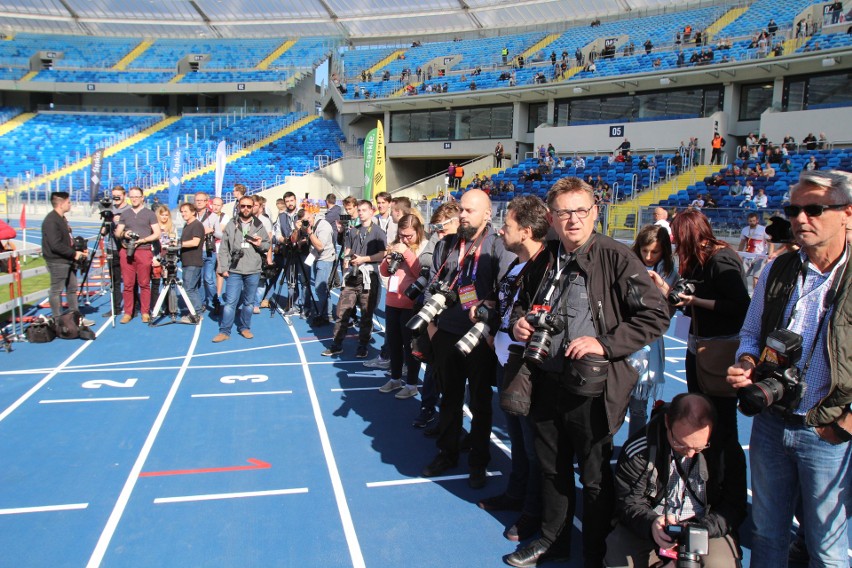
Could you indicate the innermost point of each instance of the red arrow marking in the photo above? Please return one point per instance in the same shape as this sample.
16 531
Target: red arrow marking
256 464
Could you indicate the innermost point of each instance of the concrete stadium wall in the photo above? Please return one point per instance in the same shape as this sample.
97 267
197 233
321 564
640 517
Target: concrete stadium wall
833 121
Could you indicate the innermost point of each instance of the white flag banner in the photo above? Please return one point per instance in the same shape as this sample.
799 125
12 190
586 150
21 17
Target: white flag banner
220 167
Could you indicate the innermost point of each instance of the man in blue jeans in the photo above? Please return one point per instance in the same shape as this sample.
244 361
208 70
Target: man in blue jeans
800 440
320 261
191 245
244 240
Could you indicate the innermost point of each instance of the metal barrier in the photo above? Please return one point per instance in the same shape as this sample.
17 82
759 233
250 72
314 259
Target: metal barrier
17 300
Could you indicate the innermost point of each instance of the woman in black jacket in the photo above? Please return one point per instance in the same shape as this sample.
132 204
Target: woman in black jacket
719 304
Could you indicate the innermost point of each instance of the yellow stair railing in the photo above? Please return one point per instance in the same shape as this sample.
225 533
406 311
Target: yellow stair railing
279 51
134 53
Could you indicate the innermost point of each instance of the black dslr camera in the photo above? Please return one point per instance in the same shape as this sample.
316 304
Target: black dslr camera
394 260
81 244
443 297
546 325
692 543
210 244
682 286
236 255
413 292
105 208
478 332
131 239
777 380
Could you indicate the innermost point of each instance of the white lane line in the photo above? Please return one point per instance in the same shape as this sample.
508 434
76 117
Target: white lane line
191 367
336 482
674 339
123 498
105 399
260 393
416 480
356 389
218 496
44 509
674 377
676 347
494 439
26 396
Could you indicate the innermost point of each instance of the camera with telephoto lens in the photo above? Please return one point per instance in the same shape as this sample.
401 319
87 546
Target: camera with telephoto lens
236 255
443 297
81 244
131 239
682 286
210 243
693 542
394 260
477 333
546 325
345 217
413 292
776 378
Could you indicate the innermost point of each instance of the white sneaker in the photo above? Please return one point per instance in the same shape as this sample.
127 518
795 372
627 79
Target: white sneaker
391 385
378 363
407 392
87 323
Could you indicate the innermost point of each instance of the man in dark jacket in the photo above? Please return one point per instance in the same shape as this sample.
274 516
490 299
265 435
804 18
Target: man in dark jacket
668 474
57 246
609 308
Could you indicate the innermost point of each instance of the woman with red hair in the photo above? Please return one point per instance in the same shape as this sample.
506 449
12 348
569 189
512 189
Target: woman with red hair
720 301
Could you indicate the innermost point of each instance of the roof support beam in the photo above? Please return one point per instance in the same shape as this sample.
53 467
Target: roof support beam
470 15
207 21
331 14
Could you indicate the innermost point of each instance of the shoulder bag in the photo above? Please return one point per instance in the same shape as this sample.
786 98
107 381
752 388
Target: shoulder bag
713 356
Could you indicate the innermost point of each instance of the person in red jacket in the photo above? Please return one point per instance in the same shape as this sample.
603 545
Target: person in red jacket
399 308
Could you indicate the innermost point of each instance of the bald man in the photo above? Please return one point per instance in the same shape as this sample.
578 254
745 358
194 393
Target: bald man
470 263
661 219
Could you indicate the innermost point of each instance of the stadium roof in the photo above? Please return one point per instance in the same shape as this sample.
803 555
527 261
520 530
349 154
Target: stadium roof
350 19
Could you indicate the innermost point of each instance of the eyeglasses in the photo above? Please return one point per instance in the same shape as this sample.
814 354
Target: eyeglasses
812 210
245 206
564 214
406 237
683 447
135 197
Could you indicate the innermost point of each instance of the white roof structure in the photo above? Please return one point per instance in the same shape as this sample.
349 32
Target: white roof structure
349 19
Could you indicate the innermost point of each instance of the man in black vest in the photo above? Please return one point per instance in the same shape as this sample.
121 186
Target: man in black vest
59 254
800 436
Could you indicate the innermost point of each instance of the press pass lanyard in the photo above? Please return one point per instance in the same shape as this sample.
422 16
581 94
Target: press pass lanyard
478 247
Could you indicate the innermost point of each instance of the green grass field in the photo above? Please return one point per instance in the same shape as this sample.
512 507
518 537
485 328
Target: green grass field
28 285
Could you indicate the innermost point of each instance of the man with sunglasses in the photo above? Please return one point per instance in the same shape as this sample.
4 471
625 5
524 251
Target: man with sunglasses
800 445
112 246
669 474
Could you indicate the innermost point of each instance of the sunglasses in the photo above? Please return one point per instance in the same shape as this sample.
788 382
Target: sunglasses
442 225
116 198
245 206
812 210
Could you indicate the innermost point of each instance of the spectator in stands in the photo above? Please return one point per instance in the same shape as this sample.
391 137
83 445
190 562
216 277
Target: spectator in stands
499 152
810 141
698 202
811 164
661 219
769 172
657 63
140 224
458 175
624 147
681 59
761 201
751 140
823 141
649 47
754 171
771 27
578 57
744 153
748 194
472 86
735 188
551 151
787 166
717 144
836 10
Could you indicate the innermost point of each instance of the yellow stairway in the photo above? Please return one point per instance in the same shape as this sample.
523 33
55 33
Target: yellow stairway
726 19
28 76
177 78
381 64
401 92
13 123
134 53
618 212
237 155
539 46
56 174
570 73
264 65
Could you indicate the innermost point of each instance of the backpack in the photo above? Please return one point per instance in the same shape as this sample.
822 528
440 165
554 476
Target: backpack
70 326
41 330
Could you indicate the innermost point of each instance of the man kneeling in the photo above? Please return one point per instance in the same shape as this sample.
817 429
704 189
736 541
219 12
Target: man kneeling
670 480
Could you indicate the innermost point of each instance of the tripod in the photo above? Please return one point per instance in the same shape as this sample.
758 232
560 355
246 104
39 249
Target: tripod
85 268
172 285
292 269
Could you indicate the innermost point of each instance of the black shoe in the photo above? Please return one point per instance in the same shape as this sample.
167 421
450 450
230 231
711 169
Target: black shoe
439 465
533 554
426 417
319 321
477 478
362 352
524 528
501 502
431 432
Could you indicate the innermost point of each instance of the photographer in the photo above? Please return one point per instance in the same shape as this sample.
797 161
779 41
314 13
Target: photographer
668 474
467 266
320 236
167 237
800 440
364 249
244 241
285 238
191 260
138 227
607 306
211 221
112 246
60 254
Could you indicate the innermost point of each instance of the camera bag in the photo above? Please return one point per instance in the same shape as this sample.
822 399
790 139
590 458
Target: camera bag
41 330
516 394
70 326
713 356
